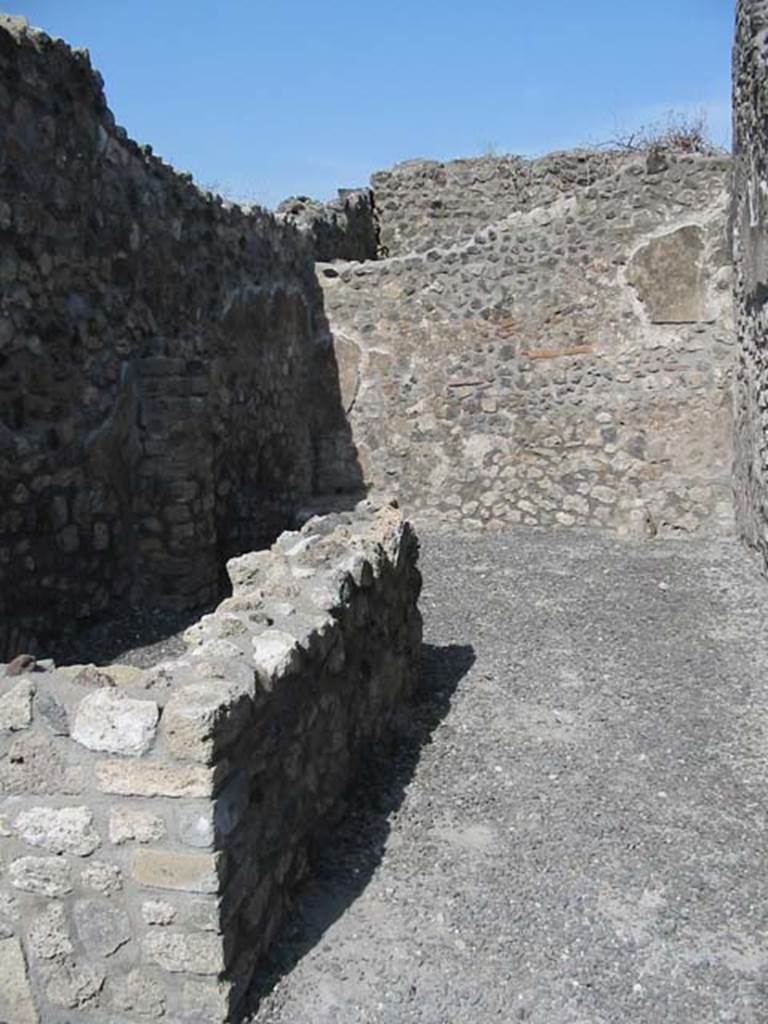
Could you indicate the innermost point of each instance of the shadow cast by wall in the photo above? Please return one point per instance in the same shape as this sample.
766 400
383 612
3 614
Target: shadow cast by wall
343 861
338 480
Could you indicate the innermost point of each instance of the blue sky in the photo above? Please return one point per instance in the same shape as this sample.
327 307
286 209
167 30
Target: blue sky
268 98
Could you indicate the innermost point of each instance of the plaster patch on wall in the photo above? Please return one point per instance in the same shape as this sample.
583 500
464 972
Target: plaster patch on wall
668 273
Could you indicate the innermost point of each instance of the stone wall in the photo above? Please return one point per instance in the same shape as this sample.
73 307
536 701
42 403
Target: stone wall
159 359
569 363
750 238
425 203
345 228
548 341
153 823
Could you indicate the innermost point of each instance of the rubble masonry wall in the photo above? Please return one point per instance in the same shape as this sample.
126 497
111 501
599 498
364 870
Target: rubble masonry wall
550 342
153 823
750 239
166 377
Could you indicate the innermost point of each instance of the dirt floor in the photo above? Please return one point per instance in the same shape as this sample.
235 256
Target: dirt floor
571 827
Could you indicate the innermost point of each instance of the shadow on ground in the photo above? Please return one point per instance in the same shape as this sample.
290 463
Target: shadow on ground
343 862
139 636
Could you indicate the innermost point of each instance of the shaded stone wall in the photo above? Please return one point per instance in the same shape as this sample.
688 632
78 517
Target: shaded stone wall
346 228
750 238
159 354
568 363
153 823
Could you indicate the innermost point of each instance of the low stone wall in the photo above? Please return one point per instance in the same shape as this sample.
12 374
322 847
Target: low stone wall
750 239
154 822
569 364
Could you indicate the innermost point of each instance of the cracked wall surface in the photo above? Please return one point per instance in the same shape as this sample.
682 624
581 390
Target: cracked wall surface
554 348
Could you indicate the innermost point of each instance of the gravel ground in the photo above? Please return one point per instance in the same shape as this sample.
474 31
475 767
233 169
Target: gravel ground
571 826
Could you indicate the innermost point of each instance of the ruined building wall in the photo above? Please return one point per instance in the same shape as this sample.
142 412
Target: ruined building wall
568 362
346 228
154 823
424 203
750 237
160 354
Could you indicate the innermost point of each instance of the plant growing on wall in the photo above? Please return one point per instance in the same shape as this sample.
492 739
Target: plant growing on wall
677 131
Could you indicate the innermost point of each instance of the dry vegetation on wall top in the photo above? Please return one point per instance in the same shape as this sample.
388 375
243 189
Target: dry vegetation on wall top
676 132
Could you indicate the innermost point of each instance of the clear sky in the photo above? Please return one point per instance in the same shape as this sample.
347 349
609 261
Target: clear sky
268 98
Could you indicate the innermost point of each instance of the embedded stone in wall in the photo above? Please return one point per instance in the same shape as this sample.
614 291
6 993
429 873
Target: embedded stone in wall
186 872
276 653
156 779
16 707
110 721
198 719
139 993
668 273
182 953
73 985
44 876
48 933
59 829
127 824
32 764
101 927
16 1001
